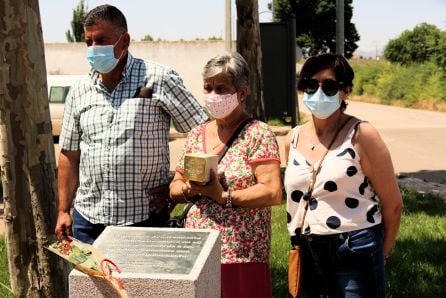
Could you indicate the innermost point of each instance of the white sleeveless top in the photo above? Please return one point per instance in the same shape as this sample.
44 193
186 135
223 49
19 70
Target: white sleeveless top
343 199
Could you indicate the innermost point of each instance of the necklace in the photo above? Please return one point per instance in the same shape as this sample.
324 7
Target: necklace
322 139
319 141
315 144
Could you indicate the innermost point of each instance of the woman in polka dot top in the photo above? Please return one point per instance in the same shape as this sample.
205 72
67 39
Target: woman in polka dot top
352 216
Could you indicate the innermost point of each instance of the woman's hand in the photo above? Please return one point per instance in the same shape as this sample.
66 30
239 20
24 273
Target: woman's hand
213 189
178 189
266 192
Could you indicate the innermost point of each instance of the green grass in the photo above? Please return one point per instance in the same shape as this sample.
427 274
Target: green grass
417 264
5 290
417 267
280 246
285 121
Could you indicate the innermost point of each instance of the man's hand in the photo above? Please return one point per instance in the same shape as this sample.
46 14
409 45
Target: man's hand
143 92
162 200
63 225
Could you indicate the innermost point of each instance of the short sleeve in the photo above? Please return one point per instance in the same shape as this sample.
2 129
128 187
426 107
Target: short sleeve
69 138
263 144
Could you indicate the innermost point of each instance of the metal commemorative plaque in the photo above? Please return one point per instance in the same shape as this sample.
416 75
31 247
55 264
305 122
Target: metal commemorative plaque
152 250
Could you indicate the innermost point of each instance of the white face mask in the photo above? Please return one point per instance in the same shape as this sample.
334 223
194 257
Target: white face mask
221 105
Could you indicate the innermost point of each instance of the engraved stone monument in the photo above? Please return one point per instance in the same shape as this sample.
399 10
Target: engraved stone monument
156 262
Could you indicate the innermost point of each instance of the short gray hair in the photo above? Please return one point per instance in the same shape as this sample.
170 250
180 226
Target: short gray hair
232 64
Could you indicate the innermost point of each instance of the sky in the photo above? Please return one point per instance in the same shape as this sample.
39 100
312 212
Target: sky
377 21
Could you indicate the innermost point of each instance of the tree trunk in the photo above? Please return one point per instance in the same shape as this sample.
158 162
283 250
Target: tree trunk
28 167
249 46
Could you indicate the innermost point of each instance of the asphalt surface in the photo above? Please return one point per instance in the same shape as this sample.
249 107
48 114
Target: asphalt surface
416 138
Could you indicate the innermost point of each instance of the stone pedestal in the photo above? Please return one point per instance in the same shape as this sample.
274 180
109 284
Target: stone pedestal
156 262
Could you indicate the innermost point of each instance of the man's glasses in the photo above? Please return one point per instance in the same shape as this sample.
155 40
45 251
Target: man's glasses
310 86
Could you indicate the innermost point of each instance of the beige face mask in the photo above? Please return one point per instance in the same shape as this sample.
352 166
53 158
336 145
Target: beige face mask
221 105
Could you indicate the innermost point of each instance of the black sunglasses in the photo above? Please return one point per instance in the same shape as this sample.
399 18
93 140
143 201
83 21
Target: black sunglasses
330 87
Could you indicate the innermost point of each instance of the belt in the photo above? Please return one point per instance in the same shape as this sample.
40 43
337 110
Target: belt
338 236
324 238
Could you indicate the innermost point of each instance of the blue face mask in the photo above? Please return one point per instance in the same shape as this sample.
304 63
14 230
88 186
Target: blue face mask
321 105
102 58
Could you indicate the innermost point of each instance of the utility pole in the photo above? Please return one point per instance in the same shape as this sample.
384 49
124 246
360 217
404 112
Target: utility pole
272 10
340 27
228 29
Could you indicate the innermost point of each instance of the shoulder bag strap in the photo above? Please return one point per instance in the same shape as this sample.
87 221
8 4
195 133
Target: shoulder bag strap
316 171
233 137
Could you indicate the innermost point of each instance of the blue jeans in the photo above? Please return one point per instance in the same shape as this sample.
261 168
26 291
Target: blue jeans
87 232
349 264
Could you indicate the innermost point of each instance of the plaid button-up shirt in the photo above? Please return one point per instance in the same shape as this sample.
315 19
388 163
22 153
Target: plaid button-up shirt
123 139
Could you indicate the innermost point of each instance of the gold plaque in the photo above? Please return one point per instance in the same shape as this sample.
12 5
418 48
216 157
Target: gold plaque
197 166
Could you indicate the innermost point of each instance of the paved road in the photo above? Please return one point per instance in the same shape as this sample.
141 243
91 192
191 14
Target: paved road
416 138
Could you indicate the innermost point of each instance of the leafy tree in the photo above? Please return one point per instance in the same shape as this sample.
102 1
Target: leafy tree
77 23
147 37
316 25
440 53
423 43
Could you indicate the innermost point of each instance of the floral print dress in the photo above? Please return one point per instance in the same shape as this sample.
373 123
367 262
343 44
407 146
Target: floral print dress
245 232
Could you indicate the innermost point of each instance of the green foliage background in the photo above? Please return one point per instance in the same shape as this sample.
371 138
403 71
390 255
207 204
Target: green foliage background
77 23
409 84
316 25
422 44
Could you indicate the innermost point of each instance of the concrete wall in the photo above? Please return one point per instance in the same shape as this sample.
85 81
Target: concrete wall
186 57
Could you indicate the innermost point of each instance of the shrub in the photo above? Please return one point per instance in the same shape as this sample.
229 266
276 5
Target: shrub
409 84
366 76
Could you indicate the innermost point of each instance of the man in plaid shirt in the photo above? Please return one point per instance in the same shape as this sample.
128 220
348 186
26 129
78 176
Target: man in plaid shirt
114 140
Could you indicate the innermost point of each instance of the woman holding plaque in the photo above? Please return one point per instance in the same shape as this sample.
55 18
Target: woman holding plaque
237 199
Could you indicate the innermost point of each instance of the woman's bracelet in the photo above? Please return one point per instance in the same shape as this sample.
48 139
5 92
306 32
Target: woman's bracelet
228 199
184 195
